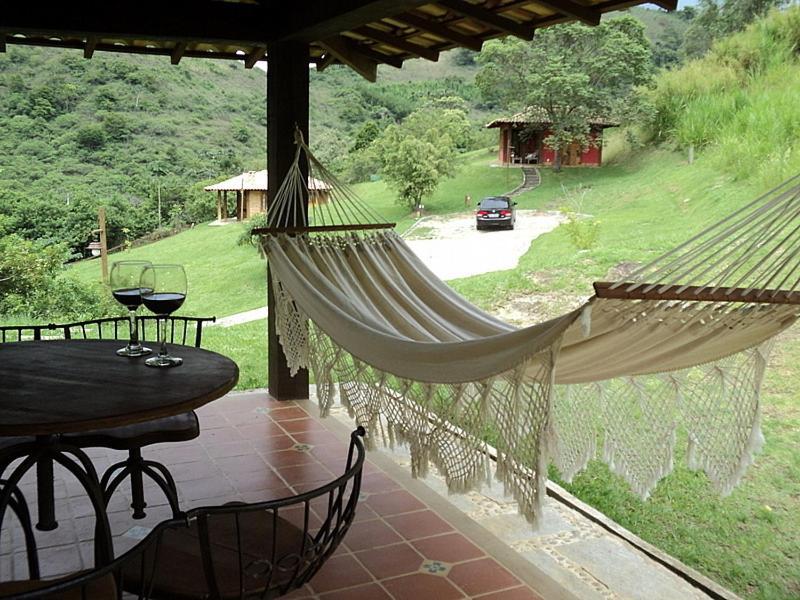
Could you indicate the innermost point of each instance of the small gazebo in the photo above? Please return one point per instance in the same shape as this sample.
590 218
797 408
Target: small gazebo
250 188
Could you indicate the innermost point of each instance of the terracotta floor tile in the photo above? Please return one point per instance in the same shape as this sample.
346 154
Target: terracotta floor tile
254 481
220 436
421 586
172 454
272 443
222 450
376 483
286 458
339 572
519 593
260 430
371 591
241 464
311 472
303 592
58 560
449 548
391 561
290 412
419 524
298 425
364 512
200 489
264 495
370 534
248 417
481 576
393 503
195 470
244 402
317 438
213 421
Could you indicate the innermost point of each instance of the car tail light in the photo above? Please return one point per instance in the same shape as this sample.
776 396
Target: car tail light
482 212
505 213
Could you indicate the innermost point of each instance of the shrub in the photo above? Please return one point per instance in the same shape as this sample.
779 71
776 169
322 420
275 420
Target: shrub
582 229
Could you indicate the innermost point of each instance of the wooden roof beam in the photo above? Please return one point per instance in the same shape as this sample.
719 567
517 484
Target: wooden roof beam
487 17
177 53
669 5
326 61
255 55
586 15
322 20
440 30
88 49
398 43
345 52
200 20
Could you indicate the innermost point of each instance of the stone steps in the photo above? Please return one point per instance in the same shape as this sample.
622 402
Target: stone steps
530 180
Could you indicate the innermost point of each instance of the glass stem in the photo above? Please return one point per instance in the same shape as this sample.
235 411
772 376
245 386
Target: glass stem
134 328
163 351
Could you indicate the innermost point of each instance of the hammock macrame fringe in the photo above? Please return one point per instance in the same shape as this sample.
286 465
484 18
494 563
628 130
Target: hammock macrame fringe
533 422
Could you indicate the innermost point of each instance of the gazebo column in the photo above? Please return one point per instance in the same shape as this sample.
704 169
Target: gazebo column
287 107
219 205
225 204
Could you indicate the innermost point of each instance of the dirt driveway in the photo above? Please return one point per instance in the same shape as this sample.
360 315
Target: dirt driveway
453 248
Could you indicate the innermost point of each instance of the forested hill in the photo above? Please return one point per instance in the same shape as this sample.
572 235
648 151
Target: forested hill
119 130
113 130
123 130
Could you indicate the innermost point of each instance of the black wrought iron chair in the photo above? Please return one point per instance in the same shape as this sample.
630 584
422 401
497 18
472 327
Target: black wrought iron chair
260 550
133 438
18 506
21 333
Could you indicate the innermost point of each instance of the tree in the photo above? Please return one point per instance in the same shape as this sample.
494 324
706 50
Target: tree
417 154
572 72
718 18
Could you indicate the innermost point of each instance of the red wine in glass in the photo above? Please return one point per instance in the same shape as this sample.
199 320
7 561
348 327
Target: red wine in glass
163 290
164 303
124 279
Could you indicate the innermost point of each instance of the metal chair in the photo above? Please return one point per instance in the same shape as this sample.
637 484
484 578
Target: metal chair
21 333
260 550
18 505
133 438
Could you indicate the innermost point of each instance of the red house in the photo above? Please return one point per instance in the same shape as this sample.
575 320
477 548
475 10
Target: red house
522 140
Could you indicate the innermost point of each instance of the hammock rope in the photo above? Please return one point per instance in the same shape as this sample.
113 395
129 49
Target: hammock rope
679 347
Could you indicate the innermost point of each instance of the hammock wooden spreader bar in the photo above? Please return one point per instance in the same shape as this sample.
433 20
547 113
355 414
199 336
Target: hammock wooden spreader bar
692 293
320 228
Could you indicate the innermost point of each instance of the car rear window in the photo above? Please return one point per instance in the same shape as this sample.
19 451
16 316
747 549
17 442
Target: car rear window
494 203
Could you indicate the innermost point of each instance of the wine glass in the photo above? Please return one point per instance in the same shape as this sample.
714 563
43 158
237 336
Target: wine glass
125 276
163 292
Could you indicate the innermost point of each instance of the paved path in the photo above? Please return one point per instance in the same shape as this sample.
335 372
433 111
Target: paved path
456 249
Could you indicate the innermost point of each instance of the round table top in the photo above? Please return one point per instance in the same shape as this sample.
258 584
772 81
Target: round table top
68 386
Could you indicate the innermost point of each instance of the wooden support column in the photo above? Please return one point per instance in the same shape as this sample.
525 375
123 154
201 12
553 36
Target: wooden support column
225 204
219 205
287 107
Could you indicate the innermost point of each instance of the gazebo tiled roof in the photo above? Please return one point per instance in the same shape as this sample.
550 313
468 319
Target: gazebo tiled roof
538 116
255 180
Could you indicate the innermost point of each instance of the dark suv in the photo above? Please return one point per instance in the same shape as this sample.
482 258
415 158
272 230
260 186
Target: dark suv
496 211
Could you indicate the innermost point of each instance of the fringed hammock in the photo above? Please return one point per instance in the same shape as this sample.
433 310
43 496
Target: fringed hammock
681 346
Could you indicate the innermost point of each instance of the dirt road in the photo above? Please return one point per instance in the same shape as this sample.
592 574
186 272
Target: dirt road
453 248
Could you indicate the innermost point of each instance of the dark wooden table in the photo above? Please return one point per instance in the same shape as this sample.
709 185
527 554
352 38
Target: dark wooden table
65 386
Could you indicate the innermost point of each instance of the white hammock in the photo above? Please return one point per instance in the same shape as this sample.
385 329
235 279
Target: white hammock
360 309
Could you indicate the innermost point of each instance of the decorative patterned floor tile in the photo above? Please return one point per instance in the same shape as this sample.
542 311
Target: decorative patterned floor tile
435 567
